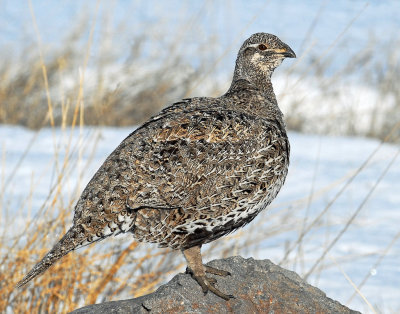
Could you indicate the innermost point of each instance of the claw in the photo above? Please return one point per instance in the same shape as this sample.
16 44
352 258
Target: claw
207 284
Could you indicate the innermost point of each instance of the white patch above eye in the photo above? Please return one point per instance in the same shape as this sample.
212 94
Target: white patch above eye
254 45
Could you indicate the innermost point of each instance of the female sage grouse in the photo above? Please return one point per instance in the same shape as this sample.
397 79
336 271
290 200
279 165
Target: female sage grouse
198 170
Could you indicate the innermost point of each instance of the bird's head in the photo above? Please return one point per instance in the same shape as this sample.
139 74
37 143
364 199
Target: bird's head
259 55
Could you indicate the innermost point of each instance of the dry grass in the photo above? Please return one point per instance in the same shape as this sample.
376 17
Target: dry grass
140 92
55 93
125 86
359 97
78 279
116 86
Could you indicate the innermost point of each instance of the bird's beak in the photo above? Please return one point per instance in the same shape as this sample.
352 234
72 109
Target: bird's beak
286 51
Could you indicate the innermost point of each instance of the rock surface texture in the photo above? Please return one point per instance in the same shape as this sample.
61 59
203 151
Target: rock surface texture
259 286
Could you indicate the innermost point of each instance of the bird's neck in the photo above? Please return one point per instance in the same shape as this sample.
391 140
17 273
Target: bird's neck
259 79
253 100
260 85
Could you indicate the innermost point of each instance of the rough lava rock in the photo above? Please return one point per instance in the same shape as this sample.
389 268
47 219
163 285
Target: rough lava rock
259 286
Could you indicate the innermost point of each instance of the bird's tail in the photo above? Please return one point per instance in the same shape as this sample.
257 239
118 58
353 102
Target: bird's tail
71 240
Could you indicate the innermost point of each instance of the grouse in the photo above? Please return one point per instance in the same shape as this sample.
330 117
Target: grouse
200 169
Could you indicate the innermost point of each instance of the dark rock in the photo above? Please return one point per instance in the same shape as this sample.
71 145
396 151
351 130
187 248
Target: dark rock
258 287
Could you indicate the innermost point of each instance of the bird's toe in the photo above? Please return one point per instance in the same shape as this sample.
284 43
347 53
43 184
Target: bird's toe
208 284
216 271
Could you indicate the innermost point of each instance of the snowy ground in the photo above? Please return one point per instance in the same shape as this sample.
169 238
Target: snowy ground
320 166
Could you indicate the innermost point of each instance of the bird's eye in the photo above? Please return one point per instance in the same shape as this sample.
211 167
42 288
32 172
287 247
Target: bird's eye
262 47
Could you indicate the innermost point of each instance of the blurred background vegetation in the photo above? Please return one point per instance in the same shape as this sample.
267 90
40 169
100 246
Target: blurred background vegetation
109 81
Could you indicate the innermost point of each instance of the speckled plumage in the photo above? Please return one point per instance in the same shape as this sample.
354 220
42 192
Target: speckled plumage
198 170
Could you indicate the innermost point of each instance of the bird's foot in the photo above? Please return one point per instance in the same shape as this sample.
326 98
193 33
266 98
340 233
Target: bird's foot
208 283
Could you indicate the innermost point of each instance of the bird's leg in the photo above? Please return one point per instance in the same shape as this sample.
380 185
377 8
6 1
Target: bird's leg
198 272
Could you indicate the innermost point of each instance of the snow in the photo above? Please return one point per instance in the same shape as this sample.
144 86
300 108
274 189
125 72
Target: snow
350 108
319 164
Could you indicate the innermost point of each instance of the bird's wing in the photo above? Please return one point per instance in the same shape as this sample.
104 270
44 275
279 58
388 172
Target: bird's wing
200 161
190 161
